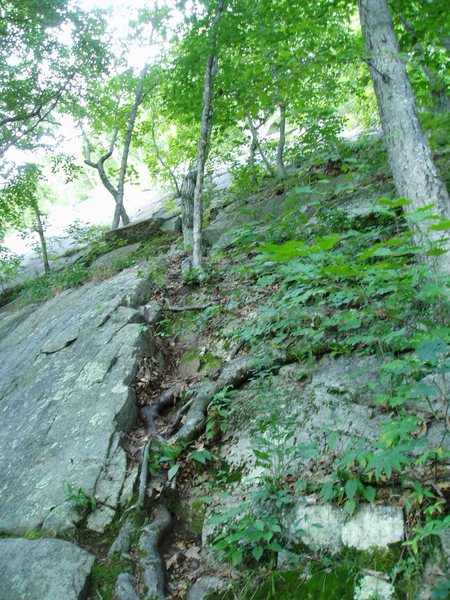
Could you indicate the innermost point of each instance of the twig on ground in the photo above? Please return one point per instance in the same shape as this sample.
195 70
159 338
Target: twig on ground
171 308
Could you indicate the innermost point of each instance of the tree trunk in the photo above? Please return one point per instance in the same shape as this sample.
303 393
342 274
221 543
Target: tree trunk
205 134
163 162
257 144
42 240
99 166
251 161
415 175
187 206
281 142
126 148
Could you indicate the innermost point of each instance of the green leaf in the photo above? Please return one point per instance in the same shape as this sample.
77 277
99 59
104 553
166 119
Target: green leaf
369 493
275 547
173 471
201 456
236 557
351 487
332 439
257 552
350 506
394 203
431 350
442 226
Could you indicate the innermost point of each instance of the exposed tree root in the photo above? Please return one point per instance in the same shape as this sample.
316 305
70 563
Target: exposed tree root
150 413
232 374
124 588
143 475
151 562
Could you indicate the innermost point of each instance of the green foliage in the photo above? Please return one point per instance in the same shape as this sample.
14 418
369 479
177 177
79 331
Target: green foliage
44 287
164 456
104 576
80 499
217 415
252 530
9 266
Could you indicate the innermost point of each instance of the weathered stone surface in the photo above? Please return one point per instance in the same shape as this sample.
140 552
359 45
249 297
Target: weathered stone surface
374 526
317 526
326 527
115 257
203 587
124 588
146 229
298 410
334 397
372 587
218 232
43 569
65 373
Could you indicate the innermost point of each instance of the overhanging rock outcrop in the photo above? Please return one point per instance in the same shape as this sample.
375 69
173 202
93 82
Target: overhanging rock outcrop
66 369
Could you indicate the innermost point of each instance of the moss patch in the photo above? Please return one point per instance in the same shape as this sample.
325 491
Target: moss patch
104 575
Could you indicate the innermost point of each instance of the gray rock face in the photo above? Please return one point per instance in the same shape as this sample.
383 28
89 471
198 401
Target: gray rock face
335 398
66 368
147 228
43 570
203 587
115 257
124 588
374 588
218 233
297 411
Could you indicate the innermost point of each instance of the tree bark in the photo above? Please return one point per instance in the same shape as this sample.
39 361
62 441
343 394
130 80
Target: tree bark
257 144
205 134
281 142
187 206
415 174
99 166
126 147
163 162
42 240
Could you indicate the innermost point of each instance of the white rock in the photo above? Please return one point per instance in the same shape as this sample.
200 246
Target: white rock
318 526
374 588
374 526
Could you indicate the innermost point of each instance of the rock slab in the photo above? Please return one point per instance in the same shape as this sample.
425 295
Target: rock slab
44 569
66 369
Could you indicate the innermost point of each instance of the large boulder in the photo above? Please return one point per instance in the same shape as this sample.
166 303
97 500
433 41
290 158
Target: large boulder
66 397
43 569
161 221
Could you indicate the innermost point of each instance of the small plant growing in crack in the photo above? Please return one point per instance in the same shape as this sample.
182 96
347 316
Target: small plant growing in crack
81 500
165 455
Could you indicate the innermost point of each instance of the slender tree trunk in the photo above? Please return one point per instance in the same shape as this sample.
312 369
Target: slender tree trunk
257 144
42 240
205 134
126 147
187 207
415 175
281 141
99 166
163 162
251 161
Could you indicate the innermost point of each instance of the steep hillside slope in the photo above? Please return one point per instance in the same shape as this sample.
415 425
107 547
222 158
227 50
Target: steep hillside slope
273 427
